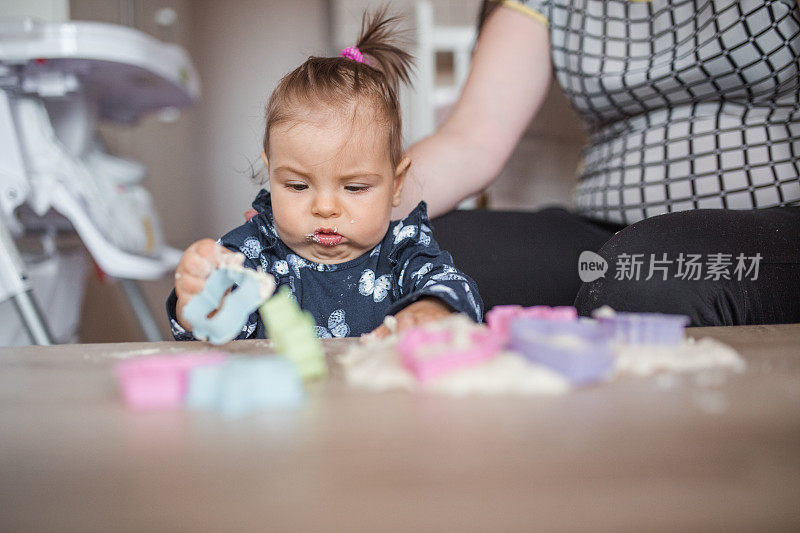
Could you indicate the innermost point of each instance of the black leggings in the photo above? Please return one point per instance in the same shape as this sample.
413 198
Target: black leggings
531 258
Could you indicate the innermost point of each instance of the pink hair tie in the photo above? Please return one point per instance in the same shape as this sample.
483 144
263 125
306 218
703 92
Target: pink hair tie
352 52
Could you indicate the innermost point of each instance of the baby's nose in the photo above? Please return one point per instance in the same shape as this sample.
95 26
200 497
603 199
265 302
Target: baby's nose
326 205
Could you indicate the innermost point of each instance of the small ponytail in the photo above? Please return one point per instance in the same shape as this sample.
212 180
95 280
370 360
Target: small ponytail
369 73
380 40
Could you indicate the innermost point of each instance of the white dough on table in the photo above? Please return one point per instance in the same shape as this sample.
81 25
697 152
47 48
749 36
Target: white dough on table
506 373
376 366
691 356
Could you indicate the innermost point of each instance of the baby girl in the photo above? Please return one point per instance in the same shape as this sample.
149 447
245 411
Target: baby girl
335 167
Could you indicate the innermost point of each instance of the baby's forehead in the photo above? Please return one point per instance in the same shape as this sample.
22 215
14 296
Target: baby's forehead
344 116
359 126
332 139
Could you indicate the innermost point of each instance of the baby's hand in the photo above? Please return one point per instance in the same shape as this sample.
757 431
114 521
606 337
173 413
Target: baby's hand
198 262
422 311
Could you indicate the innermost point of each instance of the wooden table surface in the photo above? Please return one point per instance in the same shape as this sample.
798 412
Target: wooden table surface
700 452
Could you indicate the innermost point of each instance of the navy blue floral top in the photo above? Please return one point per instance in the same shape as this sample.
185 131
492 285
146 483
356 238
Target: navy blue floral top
352 298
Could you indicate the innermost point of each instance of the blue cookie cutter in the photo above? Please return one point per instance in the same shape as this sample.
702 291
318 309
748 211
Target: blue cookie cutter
243 386
246 297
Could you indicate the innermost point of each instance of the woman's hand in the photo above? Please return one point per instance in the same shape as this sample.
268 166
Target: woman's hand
420 312
198 262
507 83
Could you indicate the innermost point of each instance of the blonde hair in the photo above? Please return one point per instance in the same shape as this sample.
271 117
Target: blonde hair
339 81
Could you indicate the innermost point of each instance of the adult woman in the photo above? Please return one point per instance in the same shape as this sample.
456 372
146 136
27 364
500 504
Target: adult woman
694 120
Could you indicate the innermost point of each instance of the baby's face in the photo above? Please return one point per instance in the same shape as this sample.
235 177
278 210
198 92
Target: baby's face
332 185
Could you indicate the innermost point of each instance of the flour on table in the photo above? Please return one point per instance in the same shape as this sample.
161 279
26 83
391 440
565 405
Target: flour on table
506 373
690 356
375 365
144 351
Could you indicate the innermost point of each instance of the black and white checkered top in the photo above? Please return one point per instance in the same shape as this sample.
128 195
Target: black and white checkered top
688 103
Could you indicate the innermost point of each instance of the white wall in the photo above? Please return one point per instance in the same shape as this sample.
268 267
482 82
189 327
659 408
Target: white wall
46 10
243 48
197 165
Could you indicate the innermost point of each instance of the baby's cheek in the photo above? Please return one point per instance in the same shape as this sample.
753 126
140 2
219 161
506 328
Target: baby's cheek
284 236
379 231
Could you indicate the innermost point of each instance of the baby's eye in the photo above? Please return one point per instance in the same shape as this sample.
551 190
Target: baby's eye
297 186
356 188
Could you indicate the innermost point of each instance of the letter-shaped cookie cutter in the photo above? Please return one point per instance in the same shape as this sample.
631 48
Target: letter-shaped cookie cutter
251 289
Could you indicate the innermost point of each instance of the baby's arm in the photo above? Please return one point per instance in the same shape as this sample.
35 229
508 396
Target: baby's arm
431 289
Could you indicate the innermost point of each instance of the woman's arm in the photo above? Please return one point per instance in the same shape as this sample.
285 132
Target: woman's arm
508 81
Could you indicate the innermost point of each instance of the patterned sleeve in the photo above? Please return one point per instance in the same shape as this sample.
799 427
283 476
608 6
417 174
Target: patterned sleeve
422 269
538 10
245 239
178 332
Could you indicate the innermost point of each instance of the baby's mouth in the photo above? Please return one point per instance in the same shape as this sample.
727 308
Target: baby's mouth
326 237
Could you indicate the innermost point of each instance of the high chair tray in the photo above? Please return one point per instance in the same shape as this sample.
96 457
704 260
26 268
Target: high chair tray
129 72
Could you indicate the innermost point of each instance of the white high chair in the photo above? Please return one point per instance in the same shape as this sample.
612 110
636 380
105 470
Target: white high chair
56 81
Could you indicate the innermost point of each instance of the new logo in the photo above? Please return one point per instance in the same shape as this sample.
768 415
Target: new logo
591 266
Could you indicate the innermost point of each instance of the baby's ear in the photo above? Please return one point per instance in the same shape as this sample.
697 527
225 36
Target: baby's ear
399 179
264 158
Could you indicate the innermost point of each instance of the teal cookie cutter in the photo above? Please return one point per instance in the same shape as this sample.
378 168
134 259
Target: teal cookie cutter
249 289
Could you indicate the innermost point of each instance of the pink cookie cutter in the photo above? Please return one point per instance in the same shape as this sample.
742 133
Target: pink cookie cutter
500 316
160 381
427 366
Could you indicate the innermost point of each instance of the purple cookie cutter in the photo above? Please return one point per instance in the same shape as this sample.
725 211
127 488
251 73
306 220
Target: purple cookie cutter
645 328
581 351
